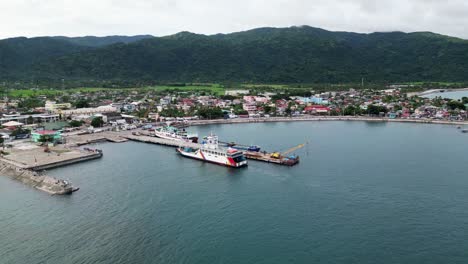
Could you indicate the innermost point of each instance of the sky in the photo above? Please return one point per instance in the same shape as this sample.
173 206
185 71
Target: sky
32 18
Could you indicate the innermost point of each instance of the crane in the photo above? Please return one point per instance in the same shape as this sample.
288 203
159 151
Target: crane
278 155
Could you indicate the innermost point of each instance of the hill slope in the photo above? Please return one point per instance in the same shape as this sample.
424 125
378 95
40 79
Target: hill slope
273 55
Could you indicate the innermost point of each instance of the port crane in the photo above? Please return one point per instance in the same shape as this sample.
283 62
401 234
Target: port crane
278 155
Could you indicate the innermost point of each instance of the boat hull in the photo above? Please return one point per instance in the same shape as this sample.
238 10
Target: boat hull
200 156
168 137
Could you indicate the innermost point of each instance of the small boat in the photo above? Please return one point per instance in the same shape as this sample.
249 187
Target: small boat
464 131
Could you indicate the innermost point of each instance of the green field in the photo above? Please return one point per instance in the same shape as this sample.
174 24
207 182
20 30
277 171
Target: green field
216 89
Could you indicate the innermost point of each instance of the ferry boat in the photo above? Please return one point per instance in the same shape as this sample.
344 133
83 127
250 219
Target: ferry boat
212 152
173 133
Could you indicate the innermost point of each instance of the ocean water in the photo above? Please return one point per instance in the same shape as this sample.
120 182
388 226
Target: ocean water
363 193
451 95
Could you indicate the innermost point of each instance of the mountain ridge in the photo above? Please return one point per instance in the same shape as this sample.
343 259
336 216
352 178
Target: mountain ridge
279 55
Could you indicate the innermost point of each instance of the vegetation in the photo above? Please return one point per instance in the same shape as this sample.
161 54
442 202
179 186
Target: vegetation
210 112
82 103
452 105
280 56
75 123
97 122
20 131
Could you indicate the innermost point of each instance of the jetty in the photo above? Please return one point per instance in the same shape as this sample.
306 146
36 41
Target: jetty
35 179
269 157
27 164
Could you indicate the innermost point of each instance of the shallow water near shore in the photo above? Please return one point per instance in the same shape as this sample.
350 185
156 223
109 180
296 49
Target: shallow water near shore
457 95
363 193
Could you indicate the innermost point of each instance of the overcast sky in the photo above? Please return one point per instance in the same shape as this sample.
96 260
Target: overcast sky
163 17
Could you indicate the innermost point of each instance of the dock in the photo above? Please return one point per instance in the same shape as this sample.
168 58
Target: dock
258 156
161 141
268 157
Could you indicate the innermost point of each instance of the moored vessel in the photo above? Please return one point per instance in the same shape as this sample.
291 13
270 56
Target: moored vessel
212 152
173 133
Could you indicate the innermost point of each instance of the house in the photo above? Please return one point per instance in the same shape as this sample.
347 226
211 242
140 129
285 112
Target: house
53 135
317 109
53 107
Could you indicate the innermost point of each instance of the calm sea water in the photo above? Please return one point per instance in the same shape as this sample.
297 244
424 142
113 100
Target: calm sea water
363 193
451 95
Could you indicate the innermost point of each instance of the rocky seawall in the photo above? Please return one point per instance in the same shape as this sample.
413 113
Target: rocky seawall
35 179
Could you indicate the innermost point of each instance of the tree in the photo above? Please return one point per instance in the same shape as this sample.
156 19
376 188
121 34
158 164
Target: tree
352 110
465 100
75 123
210 112
29 120
376 109
97 122
452 105
2 141
81 103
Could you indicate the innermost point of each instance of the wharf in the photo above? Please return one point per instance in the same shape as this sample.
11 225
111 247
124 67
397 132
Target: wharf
80 140
258 156
36 159
267 157
160 141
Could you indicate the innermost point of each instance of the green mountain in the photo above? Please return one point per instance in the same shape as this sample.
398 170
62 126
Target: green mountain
265 55
18 56
92 41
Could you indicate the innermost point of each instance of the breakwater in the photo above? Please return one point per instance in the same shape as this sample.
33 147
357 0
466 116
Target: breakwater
35 179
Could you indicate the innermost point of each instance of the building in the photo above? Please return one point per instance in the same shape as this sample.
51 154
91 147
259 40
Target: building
54 135
249 107
53 107
317 109
89 111
29 119
236 92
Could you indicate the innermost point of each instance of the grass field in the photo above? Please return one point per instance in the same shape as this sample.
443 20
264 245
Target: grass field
208 88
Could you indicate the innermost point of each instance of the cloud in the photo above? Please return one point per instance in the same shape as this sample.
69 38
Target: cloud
163 17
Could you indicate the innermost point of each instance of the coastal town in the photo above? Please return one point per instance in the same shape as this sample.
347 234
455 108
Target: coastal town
134 106
46 131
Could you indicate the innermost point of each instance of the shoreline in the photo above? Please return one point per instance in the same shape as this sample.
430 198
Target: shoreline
441 91
318 119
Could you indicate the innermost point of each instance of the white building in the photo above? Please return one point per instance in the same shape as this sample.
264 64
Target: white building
52 106
89 111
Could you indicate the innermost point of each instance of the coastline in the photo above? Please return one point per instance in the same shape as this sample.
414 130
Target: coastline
341 118
437 91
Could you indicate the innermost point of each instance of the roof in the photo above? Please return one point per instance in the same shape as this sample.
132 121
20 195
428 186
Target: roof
46 132
12 124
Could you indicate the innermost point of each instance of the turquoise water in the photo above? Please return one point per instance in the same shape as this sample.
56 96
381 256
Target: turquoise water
450 95
363 193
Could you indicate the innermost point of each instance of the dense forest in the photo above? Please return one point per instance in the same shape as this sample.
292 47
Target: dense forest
265 55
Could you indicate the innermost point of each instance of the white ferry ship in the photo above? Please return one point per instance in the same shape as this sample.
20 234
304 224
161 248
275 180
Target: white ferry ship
212 152
173 133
